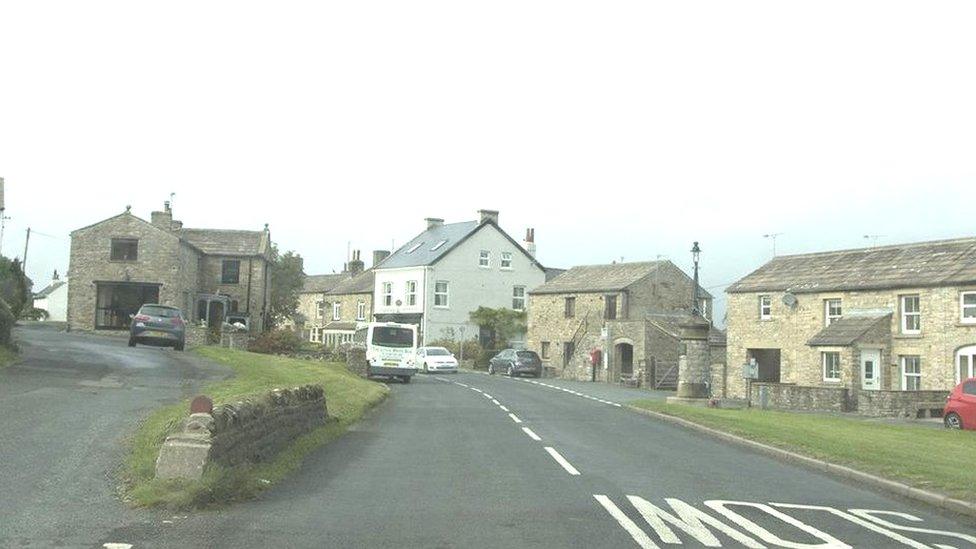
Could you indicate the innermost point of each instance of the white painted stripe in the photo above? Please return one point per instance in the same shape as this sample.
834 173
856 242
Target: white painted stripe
641 537
562 461
487 395
476 389
504 409
531 434
117 545
615 404
515 418
495 402
461 384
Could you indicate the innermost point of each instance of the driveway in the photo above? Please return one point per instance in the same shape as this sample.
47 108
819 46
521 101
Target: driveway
65 410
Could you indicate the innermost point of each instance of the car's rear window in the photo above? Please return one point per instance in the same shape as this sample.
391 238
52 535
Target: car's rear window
528 354
164 312
435 351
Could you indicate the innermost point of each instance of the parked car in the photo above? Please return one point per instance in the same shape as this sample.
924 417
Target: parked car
158 325
960 410
436 359
515 363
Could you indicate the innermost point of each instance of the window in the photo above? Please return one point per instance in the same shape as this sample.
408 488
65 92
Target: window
388 293
967 307
518 298
320 309
911 315
125 249
969 388
911 373
506 260
438 245
832 311
765 307
337 311
570 307
361 310
703 308
831 366
230 271
965 363
545 350
484 259
569 349
441 296
610 307
411 292
414 247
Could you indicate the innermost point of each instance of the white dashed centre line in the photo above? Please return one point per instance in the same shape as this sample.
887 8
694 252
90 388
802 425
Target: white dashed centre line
531 434
504 409
495 402
459 384
515 418
486 395
562 461
476 389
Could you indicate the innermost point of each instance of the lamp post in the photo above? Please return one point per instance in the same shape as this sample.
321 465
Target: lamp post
695 296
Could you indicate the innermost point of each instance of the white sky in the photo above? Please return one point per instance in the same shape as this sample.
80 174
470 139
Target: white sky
616 129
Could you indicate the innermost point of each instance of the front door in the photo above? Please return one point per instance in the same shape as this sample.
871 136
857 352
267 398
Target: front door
870 369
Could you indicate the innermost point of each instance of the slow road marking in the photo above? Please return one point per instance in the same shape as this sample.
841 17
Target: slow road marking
562 461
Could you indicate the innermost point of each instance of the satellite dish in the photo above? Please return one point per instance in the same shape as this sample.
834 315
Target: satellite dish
789 300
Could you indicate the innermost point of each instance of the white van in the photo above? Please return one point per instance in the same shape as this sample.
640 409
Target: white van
391 349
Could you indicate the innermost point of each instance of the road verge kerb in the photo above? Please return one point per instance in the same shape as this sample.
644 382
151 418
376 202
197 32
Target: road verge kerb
934 499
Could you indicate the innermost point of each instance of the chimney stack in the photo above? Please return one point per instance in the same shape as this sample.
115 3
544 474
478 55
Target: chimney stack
529 243
488 215
379 256
163 219
356 265
433 222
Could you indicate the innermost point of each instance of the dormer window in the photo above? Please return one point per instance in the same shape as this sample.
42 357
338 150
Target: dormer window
415 247
438 245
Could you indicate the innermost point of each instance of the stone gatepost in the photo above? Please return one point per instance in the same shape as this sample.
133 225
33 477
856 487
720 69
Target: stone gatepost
695 365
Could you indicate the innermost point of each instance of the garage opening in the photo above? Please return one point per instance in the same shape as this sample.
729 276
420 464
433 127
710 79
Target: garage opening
769 363
115 301
625 358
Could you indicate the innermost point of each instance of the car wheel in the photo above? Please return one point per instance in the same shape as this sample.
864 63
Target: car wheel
491 369
426 368
510 371
132 342
953 421
405 379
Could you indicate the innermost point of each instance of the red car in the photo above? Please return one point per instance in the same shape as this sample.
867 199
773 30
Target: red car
960 410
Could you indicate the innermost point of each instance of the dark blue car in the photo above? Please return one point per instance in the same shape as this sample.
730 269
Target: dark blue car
158 325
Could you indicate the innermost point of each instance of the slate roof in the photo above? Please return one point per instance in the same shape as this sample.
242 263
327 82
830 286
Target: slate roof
923 264
552 272
359 284
341 325
598 278
227 242
670 324
317 284
420 250
846 330
50 289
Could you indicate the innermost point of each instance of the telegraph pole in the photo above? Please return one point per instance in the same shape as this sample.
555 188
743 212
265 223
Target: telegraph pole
23 264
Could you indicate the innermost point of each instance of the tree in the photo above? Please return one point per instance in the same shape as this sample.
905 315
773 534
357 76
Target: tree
287 280
500 324
15 287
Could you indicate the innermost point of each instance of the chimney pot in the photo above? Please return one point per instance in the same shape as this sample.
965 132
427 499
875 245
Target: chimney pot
488 215
433 222
379 256
529 243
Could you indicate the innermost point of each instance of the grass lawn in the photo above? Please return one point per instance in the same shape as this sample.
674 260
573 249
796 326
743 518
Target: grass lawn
7 356
347 396
924 457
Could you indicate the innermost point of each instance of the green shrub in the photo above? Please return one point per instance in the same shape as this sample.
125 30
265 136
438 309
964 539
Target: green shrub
277 342
6 324
36 314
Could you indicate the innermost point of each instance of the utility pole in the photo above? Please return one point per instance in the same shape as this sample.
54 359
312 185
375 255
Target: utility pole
3 225
23 264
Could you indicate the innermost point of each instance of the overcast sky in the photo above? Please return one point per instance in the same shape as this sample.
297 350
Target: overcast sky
616 129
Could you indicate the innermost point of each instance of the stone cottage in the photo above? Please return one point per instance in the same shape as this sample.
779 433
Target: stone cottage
331 305
123 262
868 321
628 313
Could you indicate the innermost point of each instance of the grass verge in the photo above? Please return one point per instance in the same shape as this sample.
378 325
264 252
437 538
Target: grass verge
347 395
921 456
7 356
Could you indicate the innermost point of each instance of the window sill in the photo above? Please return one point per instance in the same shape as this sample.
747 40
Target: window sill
907 336
966 324
835 381
123 260
442 306
238 283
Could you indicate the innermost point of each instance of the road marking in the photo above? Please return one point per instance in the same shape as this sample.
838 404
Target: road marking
722 507
562 461
628 525
117 545
476 389
531 434
486 395
495 402
504 409
461 384
869 515
856 520
515 418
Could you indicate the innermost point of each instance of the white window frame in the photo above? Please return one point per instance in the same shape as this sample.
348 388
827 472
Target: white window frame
411 293
916 375
484 259
703 308
823 363
506 261
320 309
905 315
446 294
336 310
829 318
388 294
765 307
361 310
963 307
518 297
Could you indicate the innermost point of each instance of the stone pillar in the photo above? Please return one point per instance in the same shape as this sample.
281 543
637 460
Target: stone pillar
694 366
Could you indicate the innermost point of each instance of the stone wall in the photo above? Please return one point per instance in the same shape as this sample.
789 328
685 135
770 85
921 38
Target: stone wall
196 336
356 360
909 404
248 431
785 396
251 290
234 340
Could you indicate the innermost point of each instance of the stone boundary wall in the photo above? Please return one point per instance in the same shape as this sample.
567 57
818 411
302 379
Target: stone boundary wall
356 360
909 404
247 431
786 396
234 340
196 336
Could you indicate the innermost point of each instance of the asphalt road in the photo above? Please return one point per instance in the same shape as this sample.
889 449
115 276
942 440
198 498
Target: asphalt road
65 411
448 461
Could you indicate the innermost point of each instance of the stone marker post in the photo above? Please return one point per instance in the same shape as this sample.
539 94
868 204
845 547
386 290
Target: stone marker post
694 366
